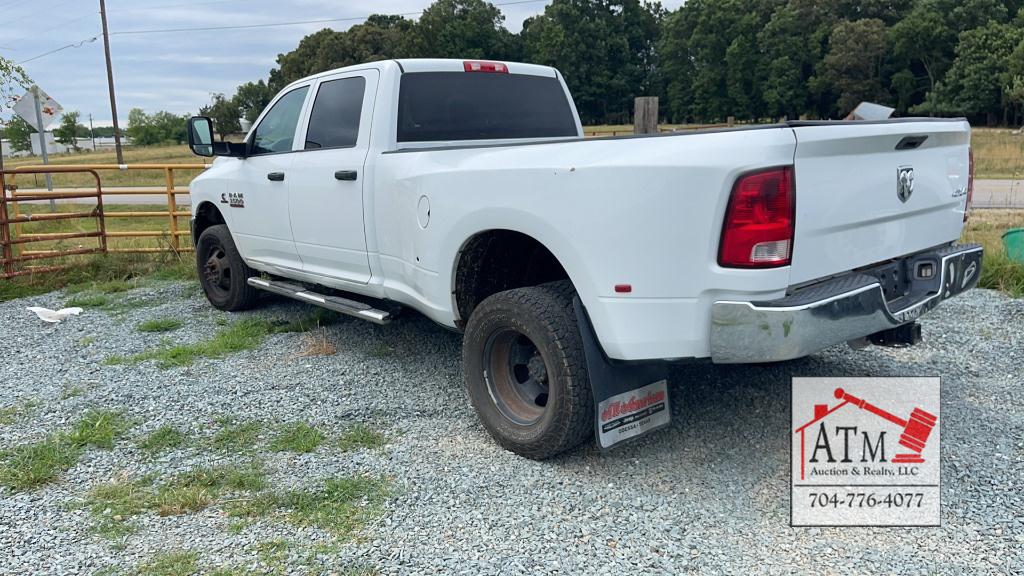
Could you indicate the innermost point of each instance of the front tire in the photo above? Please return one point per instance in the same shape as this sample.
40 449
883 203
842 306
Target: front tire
526 371
222 272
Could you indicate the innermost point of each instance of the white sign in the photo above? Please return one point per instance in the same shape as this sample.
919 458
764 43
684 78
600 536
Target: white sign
25 107
865 452
633 413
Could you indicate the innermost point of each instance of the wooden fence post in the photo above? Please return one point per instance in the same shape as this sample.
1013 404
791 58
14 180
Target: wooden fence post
645 115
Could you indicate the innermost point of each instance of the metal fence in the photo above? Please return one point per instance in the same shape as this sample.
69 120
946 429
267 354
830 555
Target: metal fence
16 218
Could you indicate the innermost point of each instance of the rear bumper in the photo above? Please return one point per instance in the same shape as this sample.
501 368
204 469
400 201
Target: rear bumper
836 310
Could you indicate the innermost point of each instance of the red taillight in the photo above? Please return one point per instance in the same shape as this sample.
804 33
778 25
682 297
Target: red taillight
970 182
484 66
758 228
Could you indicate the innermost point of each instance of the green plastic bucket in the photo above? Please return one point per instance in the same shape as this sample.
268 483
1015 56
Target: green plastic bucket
1013 241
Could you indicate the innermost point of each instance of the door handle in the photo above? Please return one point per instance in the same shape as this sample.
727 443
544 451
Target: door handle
345 175
276 176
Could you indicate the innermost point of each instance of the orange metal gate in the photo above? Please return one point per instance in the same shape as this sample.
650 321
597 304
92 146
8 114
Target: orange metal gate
10 239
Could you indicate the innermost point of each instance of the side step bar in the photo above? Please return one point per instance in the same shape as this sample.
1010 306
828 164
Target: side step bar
336 303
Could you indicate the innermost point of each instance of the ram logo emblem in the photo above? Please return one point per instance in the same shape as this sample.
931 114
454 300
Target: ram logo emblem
904 182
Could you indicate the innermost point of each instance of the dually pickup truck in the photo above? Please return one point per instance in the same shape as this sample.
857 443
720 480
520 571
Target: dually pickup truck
577 270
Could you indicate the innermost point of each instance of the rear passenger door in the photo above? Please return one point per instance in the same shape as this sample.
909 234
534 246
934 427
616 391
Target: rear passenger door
326 195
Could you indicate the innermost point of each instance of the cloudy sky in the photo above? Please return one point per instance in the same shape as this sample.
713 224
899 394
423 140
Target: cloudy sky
177 71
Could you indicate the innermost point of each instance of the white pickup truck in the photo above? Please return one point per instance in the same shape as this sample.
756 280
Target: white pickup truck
577 269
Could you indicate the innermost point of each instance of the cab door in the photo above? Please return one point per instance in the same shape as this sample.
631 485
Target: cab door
257 198
326 193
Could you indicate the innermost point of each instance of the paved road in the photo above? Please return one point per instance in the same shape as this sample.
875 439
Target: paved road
999 194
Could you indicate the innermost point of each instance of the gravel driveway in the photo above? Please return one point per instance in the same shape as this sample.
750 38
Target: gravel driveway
708 495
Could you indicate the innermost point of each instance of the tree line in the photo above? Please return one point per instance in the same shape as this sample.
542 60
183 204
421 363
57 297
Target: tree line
710 59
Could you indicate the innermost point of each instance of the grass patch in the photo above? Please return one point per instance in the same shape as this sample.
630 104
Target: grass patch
317 344
86 273
88 301
297 437
342 506
162 439
998 153
177 563
70 392
32 465
237 336
998 272
113 504
99 428
361 436
236 436
15 412
159 325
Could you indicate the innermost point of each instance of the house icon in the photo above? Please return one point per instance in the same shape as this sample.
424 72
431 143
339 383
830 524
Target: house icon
916 429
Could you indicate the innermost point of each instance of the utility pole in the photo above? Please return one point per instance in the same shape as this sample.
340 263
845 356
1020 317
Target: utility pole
110 83
42 143
92 135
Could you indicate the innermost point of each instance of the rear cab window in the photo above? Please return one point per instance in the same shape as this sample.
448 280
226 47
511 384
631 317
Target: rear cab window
451 106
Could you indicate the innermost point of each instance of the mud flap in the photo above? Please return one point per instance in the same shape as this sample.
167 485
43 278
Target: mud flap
630 399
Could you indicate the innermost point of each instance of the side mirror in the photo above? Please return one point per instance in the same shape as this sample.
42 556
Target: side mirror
201 142
200 136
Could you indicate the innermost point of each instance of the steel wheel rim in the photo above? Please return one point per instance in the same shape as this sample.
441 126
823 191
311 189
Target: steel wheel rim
217 269
517 376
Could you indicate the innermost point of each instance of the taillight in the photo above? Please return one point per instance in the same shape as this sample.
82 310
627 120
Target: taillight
970 182
759 222
484 66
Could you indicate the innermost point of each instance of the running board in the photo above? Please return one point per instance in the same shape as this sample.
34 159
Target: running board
335 303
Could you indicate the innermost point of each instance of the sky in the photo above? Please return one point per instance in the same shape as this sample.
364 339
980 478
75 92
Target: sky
177 71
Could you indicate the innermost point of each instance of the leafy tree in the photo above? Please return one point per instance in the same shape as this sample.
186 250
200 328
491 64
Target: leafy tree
379 38
251 98
463 29
158 128
67 132
976 82
12 79
20 134
852 68
225 114
605 49
925 39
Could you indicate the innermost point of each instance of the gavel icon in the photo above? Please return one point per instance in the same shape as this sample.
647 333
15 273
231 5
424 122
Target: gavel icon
916 429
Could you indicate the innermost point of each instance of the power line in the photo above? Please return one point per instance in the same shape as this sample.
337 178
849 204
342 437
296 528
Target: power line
52 28
31 14
241 27
293 23
65 47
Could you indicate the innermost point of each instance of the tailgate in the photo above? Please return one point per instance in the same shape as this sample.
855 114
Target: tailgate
867 192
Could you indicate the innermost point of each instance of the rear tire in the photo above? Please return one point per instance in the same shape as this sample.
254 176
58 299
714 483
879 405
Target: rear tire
222 272
526 371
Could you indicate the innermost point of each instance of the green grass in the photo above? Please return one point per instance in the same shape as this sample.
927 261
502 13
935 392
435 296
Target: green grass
162 439
15 412
998 272
91 273
113 504
88 301
244 334
998 153
99 428
236 436
159 325
342 506
176 563
32 465
297 437
70 392
360 436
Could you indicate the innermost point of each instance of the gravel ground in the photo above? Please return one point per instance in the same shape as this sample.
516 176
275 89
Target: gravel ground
708 495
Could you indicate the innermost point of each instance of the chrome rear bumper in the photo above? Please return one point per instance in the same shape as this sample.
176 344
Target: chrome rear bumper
836 310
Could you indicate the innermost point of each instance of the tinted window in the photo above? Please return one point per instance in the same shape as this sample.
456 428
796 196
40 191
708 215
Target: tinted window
277 129
334 122
436 106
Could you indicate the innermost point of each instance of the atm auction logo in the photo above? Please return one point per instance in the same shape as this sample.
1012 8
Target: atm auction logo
865 451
